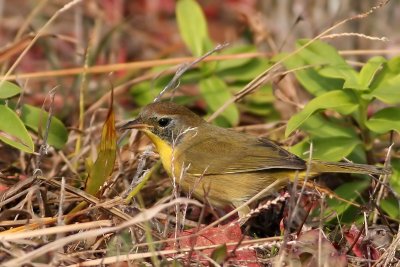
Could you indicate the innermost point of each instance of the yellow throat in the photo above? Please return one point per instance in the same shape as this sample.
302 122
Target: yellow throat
164 150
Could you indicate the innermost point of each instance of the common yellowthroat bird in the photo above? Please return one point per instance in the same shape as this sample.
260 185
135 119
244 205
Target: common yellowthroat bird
222 165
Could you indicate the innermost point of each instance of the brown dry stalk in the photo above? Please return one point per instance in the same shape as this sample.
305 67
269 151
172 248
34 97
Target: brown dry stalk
125 66
55 230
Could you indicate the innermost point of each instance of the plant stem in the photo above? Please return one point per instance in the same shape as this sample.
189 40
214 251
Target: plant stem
365 133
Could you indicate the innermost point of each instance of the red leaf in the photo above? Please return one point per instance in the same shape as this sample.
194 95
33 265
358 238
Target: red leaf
219 236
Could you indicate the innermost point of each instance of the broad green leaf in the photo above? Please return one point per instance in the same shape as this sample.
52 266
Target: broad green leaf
36 119
104 164
315 83
386 83
349 191
385 120
345 72
216 93
192 26
319 126
369 70
219 254
341 101
142 93
260 102
8 89
391 207
388 91
145 92
245 72
329 149
331 64
395 179
327 63
320 52
358 155
234 63
307 64
390 70
13 131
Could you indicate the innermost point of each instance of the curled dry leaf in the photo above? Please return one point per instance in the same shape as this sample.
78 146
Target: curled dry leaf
312 249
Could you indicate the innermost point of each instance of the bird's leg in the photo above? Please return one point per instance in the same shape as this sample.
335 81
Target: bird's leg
243 211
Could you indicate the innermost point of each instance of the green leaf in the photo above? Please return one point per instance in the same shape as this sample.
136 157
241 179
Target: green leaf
244 72
328 64
345 72
320 126
260 102
8 89
391 207
235 62
390 70
320 52
395 179
216 93
219 254
192 26
385 120
387 92
13 131
329 149
144 93
369 70
350 191
36 119
307 64
385 85
331 64
104 164
315 83
343 102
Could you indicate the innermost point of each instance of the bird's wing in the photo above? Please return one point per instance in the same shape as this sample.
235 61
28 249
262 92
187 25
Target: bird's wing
226 151
263 154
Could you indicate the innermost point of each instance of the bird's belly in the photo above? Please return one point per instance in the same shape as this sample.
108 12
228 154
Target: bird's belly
225 189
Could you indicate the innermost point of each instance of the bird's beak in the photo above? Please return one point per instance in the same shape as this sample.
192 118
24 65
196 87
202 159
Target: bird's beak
134 124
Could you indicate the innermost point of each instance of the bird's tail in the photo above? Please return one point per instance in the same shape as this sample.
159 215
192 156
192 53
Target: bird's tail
344 167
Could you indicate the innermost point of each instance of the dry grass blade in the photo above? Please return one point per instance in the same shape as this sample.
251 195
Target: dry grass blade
52 246
54 230
15 48
139 256
124 66
92 200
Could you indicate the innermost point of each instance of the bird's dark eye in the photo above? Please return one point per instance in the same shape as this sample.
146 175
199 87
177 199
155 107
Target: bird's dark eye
163 122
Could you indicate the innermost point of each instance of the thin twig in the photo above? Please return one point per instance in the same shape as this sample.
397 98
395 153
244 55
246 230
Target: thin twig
39 34
44 146
174 83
